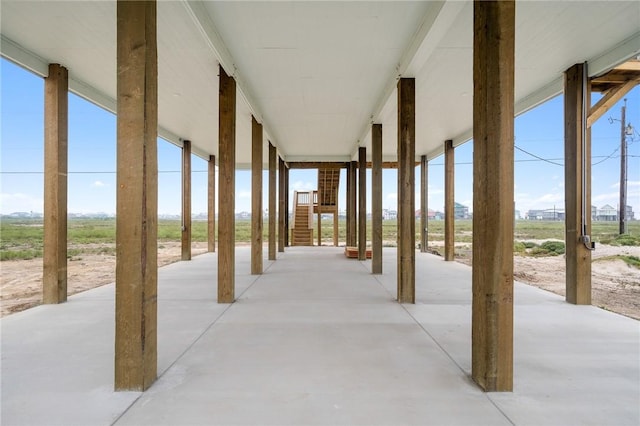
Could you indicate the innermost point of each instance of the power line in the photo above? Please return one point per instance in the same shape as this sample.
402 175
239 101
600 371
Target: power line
539 158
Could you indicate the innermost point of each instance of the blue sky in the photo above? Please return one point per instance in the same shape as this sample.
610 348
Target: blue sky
92 159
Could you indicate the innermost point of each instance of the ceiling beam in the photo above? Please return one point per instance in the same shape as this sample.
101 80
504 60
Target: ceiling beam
435 23
607 101
202 21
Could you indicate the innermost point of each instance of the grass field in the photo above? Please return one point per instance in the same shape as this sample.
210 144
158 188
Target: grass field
22 238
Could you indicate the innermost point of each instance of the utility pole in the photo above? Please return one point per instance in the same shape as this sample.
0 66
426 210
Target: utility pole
623 171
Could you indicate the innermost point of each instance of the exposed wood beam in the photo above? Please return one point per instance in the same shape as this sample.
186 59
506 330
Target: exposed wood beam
424 203
376 199
211 204
227 187
352 203
137 197
577 152
449 201
186 201
272 201
362 203
281 205
256 197
406 190
493 136
317 164
631 65
54 273
609 100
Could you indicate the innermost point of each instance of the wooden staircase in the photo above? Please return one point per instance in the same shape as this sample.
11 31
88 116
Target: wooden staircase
302 232
326 199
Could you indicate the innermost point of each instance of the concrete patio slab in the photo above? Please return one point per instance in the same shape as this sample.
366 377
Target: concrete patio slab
317 339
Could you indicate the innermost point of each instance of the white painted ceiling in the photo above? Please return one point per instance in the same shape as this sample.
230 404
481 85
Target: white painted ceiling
317 74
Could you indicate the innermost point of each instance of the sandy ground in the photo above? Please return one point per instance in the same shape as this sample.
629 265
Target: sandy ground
21 285
615 285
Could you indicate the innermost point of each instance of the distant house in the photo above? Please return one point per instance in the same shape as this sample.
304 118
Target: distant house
553 214
594 213
535 214
607 213
461 211
628 214
389 214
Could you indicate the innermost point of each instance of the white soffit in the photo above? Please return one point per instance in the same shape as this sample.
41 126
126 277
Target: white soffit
317 73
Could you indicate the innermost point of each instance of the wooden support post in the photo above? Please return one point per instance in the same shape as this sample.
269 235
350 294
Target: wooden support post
335 226
351 204
348 206
54 277
137 196
227 189
362 203
256 197
492 276
211 204
281 206
319 221
406 190
376 199
577 186
186 200
272 201
424 203
286 205
449 201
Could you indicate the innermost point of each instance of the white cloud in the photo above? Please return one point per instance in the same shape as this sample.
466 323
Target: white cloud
19 202
606 197
629 183
392 196
303 186
550 198
98 184
244 194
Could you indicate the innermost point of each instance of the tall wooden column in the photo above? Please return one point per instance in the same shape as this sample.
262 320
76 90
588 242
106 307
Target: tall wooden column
272 201
406 190
577 187
54 277
256 197
351 204
211 204
186 200
286 205
376 199
319 217
493 117
281 205
424 203
362 203
449 201
348 205
137 196
227 188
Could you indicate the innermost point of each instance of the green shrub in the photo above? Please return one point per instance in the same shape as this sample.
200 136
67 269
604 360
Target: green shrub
539 252
529 244
626 240
553 247
519 247
20 254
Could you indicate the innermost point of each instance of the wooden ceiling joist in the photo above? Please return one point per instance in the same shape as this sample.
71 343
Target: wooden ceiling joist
614 85
610 99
